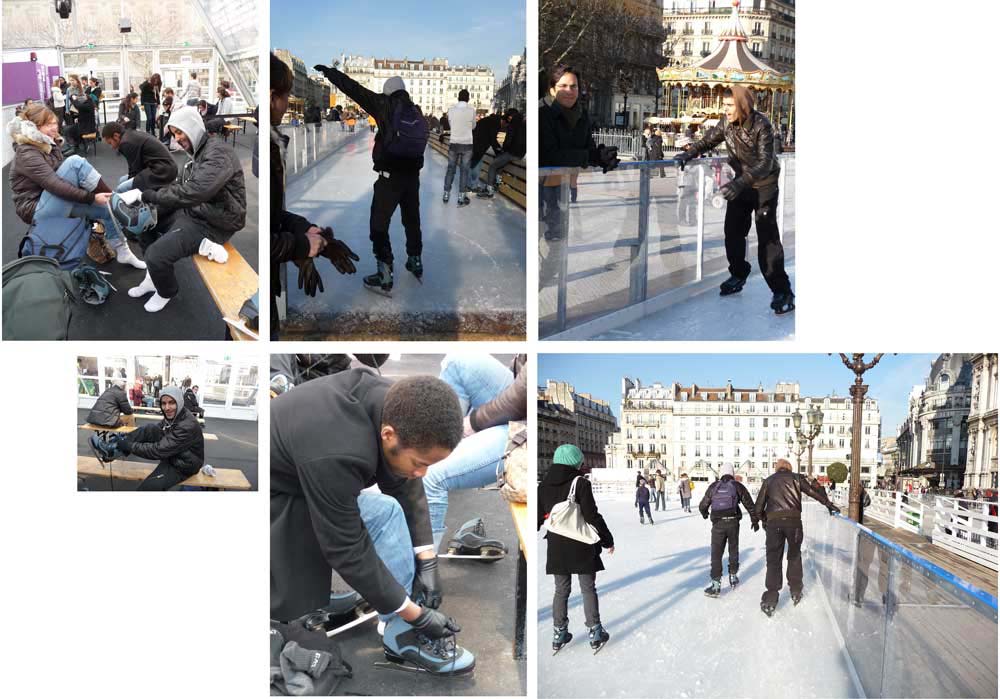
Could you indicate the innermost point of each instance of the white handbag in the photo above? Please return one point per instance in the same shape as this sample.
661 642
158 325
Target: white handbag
566 519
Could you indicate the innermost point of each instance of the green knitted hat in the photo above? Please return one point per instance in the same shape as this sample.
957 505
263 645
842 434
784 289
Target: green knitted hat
568 455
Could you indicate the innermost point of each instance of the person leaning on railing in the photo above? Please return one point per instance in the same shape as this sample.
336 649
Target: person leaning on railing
564 140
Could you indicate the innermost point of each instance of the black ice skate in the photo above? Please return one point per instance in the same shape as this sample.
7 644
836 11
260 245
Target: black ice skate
470 542
642 520
796 598
734 580
446 197
560 637
416 267
463 199
486 192
406 648
767 608
715 589
598 638
344 612
783 302
381 281
733 285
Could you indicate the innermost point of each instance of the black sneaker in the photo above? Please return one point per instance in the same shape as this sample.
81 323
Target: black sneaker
733 285
783 302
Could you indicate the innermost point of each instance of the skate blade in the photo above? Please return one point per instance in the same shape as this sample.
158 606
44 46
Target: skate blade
394 662
489 557
599 648
785 311
351 624
378 290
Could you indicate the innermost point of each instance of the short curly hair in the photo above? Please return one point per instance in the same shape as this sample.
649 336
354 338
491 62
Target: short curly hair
425 413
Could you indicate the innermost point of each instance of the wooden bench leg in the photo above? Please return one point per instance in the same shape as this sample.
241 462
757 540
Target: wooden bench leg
520 606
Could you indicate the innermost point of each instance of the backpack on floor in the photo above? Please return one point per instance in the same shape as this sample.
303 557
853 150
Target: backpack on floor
38 299
407 134
65 240
725 496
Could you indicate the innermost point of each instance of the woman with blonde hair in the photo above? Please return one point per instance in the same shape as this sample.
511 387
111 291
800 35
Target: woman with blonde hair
46 185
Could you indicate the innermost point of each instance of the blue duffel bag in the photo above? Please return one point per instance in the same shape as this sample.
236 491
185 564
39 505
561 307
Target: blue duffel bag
63 239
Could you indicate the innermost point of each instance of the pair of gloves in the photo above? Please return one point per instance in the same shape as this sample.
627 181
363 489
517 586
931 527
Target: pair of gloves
604 157
339 254
730 190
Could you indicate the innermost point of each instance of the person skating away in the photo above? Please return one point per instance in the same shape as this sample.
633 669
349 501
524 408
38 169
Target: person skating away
723 499
660 484
567 557
752 194
150 165
461 119
779 509
642 502
332 438
294 238
196 215
684 491
398 155
110 406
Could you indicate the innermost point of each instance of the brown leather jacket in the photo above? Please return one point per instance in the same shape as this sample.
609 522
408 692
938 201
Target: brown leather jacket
511 404
750 144
33 172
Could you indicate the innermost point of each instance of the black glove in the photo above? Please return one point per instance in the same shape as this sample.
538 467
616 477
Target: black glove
434 624
309 278
604 157
730 190
682 158
342 257
755 525
427 583
323 69
121 441
704 515
833 509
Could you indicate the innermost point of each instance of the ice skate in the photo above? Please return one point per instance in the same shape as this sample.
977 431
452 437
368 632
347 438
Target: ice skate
560 637
733 285
416 267
796 598
598 638
734 580
470 542
767 608
381 281
715 589
344 612
131 219
463 199
407 649
446 197
783 303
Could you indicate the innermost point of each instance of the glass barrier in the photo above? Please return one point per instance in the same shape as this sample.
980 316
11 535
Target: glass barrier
308 144
608 241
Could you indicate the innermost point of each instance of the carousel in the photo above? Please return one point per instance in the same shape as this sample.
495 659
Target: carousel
695 91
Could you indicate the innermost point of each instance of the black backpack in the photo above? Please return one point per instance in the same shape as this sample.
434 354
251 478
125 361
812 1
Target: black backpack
38 299
407 132
725 496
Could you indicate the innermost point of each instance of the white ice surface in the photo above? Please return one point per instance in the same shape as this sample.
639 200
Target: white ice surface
669 640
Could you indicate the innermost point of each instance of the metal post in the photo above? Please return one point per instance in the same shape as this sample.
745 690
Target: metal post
858 391
561 292
810 458
700 227
639 263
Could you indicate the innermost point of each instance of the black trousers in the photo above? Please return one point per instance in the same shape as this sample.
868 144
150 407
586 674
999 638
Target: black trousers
163 477
644 507
402 190
770 254
560 600
175 237
778 534
725 532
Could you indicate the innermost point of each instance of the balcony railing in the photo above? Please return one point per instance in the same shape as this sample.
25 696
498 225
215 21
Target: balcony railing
688 32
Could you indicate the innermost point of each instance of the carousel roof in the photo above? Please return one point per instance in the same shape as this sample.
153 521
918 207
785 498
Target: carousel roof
731 62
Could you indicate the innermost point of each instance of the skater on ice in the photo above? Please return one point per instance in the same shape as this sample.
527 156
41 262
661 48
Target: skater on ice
642 502
567 557
461 118
723 499
779 507
684 489
660 482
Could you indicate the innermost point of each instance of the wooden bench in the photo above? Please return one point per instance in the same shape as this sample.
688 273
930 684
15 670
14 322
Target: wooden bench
513 174
519 512
224 479
88 139
230 285
231 129
158 416
208 436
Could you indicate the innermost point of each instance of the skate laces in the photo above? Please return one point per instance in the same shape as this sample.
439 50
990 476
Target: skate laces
444 647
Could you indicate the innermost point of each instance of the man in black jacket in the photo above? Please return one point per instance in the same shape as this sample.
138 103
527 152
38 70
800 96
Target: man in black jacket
484 137
398 183
515 145
194 216
110 406
176 442
779 507
752 194
332 438
150 165
723 498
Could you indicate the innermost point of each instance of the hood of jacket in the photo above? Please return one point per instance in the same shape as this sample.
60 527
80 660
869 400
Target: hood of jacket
24 133
178 395
190 122
560 474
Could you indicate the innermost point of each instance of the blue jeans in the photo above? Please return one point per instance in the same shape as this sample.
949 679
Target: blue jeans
477 379
79 173
472 175
458 156
386 525
125 183
150 108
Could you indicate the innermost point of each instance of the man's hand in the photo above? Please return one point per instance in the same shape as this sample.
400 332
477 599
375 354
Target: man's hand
427 583
309 278
611 551
604 157
339 254
323 69
121 441
316 240
103 198
730 190
755 525
434 624
834 510
682 159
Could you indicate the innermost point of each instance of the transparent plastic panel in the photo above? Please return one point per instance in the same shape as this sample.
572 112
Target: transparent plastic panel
673 227
865 610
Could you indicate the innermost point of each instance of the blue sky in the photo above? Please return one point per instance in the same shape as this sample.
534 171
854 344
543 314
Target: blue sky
486 33
600 375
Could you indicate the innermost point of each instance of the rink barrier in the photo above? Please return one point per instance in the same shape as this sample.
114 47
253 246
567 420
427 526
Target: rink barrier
910 628
308 144
640 291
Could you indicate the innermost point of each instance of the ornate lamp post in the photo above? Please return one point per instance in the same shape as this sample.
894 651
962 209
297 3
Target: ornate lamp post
814 417
798 447
859 366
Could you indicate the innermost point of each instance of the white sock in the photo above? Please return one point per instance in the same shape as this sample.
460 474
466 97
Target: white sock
125 255
381 628
156 303
145 287
213 251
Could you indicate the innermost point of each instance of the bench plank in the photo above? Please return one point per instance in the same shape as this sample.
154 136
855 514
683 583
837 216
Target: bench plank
519 511
230 284
209 436
225 478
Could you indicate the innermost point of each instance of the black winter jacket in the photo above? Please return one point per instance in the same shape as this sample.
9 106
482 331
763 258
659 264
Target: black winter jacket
568 556
86 117
109 408
642 495
325 449
484 135
516 140
179 442
742 494
750 144
132 114
561 143
148 94
381 107
780 496
149 161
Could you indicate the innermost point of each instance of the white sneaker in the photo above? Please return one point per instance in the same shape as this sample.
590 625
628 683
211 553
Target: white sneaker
156 303
213 251
145 287
125 255
381 628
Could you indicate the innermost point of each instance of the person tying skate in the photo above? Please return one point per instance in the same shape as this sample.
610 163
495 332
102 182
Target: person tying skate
723 499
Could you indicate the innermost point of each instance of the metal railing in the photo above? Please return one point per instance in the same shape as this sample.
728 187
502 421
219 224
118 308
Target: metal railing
628 143
892 606
611 241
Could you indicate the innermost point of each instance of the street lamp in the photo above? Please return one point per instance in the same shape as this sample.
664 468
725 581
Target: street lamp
859 366
801 443
814 417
